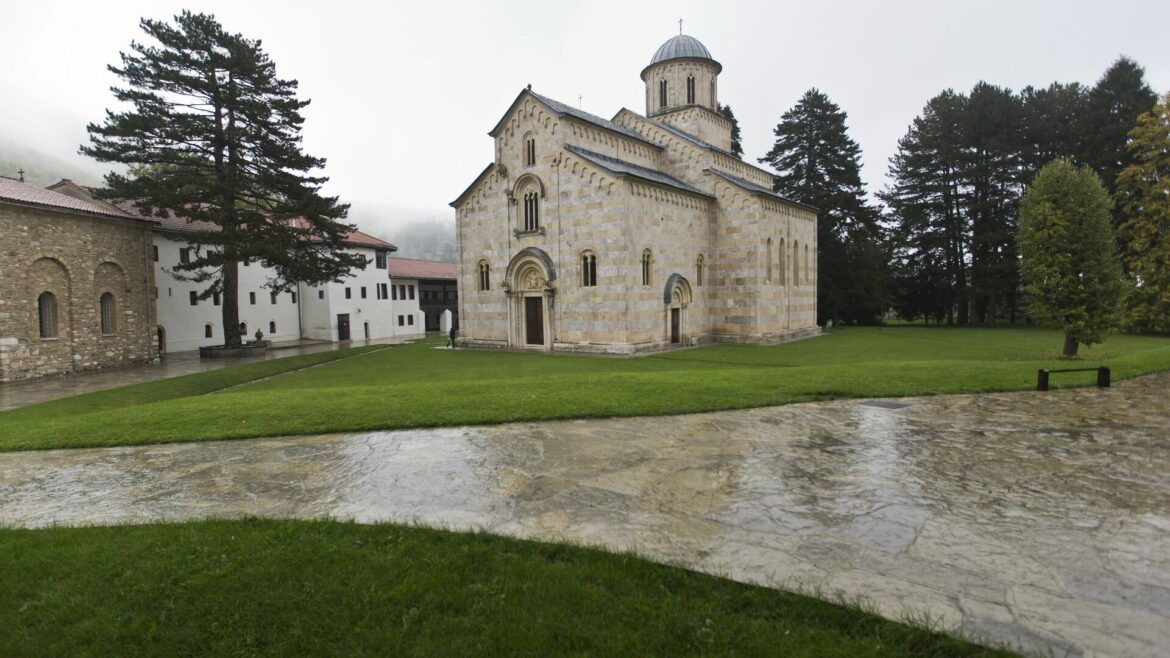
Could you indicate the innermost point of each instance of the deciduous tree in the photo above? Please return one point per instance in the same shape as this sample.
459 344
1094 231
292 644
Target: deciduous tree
1071 272
1143 197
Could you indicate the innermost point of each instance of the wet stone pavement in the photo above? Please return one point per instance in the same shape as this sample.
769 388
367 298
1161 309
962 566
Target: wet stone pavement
1036 520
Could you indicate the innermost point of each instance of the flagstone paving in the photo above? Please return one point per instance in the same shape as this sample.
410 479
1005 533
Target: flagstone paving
1039 520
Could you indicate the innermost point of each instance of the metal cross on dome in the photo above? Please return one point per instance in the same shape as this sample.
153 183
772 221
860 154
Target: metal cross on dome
680 25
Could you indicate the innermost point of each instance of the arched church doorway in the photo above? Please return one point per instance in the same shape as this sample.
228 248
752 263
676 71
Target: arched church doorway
530 289
676 297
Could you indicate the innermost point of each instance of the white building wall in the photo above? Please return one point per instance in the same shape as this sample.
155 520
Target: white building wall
325 303
184 323
409 320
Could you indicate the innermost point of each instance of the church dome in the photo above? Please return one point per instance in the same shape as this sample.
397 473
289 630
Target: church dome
682 46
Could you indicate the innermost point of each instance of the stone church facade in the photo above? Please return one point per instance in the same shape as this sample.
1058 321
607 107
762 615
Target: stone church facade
76 285
634 234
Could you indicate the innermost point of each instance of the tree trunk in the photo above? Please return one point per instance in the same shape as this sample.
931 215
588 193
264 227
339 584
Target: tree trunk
231 305
1070 345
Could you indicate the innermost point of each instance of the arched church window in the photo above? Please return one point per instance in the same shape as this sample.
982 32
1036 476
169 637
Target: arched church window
662 93
531 210
529 151
485 279
807 269
699 270
783 271
106 306
713 105
47 314
647 259
588 269
768 257
795 263
690 89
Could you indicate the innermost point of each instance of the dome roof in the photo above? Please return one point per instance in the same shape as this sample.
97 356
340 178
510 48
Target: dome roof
682 46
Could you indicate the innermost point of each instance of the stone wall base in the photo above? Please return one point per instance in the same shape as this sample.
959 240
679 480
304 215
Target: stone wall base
634 349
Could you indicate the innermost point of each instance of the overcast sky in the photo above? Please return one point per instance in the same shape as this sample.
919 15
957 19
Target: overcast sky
404 92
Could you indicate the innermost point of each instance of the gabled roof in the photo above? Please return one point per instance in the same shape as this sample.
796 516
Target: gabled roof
463 195
680 133
622 168
759 190
561 109
411 268
15 191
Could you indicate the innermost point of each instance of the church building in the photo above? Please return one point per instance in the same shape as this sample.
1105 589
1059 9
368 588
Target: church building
634 234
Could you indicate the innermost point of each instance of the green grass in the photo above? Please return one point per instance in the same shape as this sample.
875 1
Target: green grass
290 588
417 386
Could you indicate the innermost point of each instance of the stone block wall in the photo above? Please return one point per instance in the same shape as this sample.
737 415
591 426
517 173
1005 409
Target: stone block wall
77 258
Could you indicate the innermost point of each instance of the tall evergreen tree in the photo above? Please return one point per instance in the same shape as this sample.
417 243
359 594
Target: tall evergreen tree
214 135
1114 104
1051 125
931 236
992 185
1143 194
1071 272
817 163
736 143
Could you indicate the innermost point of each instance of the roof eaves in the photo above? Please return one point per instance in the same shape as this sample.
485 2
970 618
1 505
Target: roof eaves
459 199
607 163
759 191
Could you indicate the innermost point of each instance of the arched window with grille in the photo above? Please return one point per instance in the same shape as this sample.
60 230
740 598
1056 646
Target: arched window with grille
47 314
647 260
531 211
690 89
588 269
662 93
485 281
108 308
699 270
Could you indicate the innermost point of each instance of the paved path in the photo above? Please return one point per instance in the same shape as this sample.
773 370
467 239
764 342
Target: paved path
1039 520
20 394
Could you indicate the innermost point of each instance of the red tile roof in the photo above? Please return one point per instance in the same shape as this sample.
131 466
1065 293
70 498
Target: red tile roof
173 222
33 195
409 268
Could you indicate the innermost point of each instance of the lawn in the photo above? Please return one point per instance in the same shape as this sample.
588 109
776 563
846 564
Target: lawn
290 588
417 385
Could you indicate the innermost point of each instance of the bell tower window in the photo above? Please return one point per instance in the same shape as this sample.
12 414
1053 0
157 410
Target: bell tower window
690 89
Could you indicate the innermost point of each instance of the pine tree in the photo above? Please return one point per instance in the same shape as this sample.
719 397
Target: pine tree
736 144
1143 197
1071 273
1114 104
1051 125
213 135
818 164
931 234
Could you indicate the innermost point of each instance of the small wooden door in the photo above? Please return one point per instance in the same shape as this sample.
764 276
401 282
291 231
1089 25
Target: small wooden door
343 326
534 320
674 321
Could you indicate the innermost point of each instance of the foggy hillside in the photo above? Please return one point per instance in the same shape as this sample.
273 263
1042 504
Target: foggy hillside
42 169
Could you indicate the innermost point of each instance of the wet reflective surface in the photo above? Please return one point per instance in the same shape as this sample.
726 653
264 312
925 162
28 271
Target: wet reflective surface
1040 520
